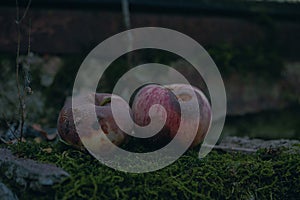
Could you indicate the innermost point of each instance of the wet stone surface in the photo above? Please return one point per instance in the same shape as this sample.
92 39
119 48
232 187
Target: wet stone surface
6 193
29 173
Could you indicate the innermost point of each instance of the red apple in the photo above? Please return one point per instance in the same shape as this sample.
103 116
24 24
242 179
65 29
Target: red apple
170 97
144 99
90 131
184 93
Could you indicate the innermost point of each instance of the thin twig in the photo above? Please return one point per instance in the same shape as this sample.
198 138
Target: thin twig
27 81
25 12
18 67
20 97
29 41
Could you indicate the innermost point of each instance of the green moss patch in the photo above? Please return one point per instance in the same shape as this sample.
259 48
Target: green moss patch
263 175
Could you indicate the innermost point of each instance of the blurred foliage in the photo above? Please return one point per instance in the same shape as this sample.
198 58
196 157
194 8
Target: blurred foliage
272 124
44 105
247 59
132 59
51 81
35 109
255 59
62 85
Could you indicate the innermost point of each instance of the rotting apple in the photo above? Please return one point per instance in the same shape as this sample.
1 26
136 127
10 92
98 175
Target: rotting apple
93 133
184 93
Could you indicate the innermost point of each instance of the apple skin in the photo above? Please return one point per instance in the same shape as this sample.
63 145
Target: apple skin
146 97
91 132
169 97
184 93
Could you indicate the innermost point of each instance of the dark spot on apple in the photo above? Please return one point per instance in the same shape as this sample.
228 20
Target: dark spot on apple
174 103
104 128
67 127
184 97
99 118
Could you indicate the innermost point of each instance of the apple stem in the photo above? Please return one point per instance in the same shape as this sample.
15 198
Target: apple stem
105 101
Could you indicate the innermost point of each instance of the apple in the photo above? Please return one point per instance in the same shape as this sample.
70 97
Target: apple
184 93
93 133
143 100
170 97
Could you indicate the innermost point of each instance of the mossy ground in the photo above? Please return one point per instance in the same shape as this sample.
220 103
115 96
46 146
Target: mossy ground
220 175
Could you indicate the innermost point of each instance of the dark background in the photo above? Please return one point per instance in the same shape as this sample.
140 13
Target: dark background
255 45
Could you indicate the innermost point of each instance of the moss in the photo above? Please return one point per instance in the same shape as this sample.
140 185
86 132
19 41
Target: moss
264 175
